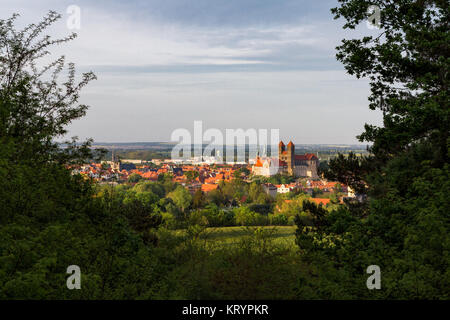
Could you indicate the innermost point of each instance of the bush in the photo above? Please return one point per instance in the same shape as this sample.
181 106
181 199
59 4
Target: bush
134 177
279 219
245 217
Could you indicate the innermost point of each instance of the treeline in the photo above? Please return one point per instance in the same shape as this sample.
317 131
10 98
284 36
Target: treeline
234 203
145 155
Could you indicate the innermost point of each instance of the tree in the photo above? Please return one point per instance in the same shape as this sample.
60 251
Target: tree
323 167
198 199
216 197
150 186
138 210
35 106
134 177
350 170
166 180
316 192
51 219
254 191
407 170
191 175
337 188
181 197
237 174
245 217
411 50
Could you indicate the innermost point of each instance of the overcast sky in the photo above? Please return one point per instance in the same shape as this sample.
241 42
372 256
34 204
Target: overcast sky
161 64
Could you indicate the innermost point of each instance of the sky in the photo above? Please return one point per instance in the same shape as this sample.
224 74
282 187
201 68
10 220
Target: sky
163 64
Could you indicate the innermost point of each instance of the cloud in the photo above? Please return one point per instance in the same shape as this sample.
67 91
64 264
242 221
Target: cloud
144 36
162 64
114 40
307 106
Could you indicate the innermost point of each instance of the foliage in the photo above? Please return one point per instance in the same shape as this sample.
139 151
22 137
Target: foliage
181 197
403 226
134 177
50 218
35 106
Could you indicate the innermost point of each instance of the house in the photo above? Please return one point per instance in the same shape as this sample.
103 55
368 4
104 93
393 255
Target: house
268 166
208 187
285 188
151 175
194 187
270 189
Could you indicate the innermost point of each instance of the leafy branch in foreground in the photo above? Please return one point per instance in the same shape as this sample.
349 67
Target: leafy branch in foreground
403 226
35 105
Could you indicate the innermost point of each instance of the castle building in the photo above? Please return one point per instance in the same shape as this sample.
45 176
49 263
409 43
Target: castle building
304 165
118 165
298 165
268 167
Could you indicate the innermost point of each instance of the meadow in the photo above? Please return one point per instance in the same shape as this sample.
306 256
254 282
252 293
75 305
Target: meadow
220 236
229 263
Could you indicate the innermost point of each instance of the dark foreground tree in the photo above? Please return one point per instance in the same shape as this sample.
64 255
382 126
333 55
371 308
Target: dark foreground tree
49 219
404 225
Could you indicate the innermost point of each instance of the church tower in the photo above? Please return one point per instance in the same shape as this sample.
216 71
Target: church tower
115 162
290 159
281 148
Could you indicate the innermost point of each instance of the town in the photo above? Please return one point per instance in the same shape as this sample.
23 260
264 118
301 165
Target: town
284 177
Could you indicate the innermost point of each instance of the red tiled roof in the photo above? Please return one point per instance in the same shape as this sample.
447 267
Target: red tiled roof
258 163
209 187
322 201
150 175
308 156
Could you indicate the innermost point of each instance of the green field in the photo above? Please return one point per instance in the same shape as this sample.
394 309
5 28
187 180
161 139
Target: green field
233 235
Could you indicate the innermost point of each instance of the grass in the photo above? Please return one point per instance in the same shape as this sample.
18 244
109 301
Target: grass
231 235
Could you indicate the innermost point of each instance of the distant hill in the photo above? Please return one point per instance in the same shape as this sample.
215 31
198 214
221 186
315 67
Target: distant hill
162 150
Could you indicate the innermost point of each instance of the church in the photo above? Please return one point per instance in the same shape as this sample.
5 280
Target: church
304 165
